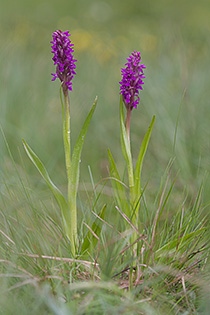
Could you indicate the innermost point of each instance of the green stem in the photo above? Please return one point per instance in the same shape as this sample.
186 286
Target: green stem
128 123
72 225
72 198
130 162
66 133
134 214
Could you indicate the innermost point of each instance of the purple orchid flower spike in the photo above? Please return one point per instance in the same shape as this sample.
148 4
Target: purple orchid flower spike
131 84
132 80
63 58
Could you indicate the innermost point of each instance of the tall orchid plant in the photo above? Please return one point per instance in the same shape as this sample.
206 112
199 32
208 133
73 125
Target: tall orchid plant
63 58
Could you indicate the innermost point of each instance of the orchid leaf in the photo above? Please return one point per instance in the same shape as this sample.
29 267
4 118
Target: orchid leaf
74 177
56 192
142 152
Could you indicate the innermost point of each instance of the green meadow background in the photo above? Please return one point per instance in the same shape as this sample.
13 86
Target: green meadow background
173 38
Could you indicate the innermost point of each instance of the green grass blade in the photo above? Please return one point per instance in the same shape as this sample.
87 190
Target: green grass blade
89 240
56 192
165 201
184 240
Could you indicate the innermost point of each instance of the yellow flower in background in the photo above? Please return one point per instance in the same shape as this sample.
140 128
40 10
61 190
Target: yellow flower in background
103 48
82 39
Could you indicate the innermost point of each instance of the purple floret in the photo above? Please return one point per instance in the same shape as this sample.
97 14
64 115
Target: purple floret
132 80
63 58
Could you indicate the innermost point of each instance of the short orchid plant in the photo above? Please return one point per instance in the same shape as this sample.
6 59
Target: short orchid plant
130 86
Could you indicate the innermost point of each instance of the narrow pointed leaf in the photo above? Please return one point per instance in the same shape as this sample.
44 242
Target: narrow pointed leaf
56 192
78 149
143 149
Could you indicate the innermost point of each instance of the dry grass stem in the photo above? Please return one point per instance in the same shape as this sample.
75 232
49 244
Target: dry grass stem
93 233
9 239
97 216
63 259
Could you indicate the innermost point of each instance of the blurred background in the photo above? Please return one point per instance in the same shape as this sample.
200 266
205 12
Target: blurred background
173 38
